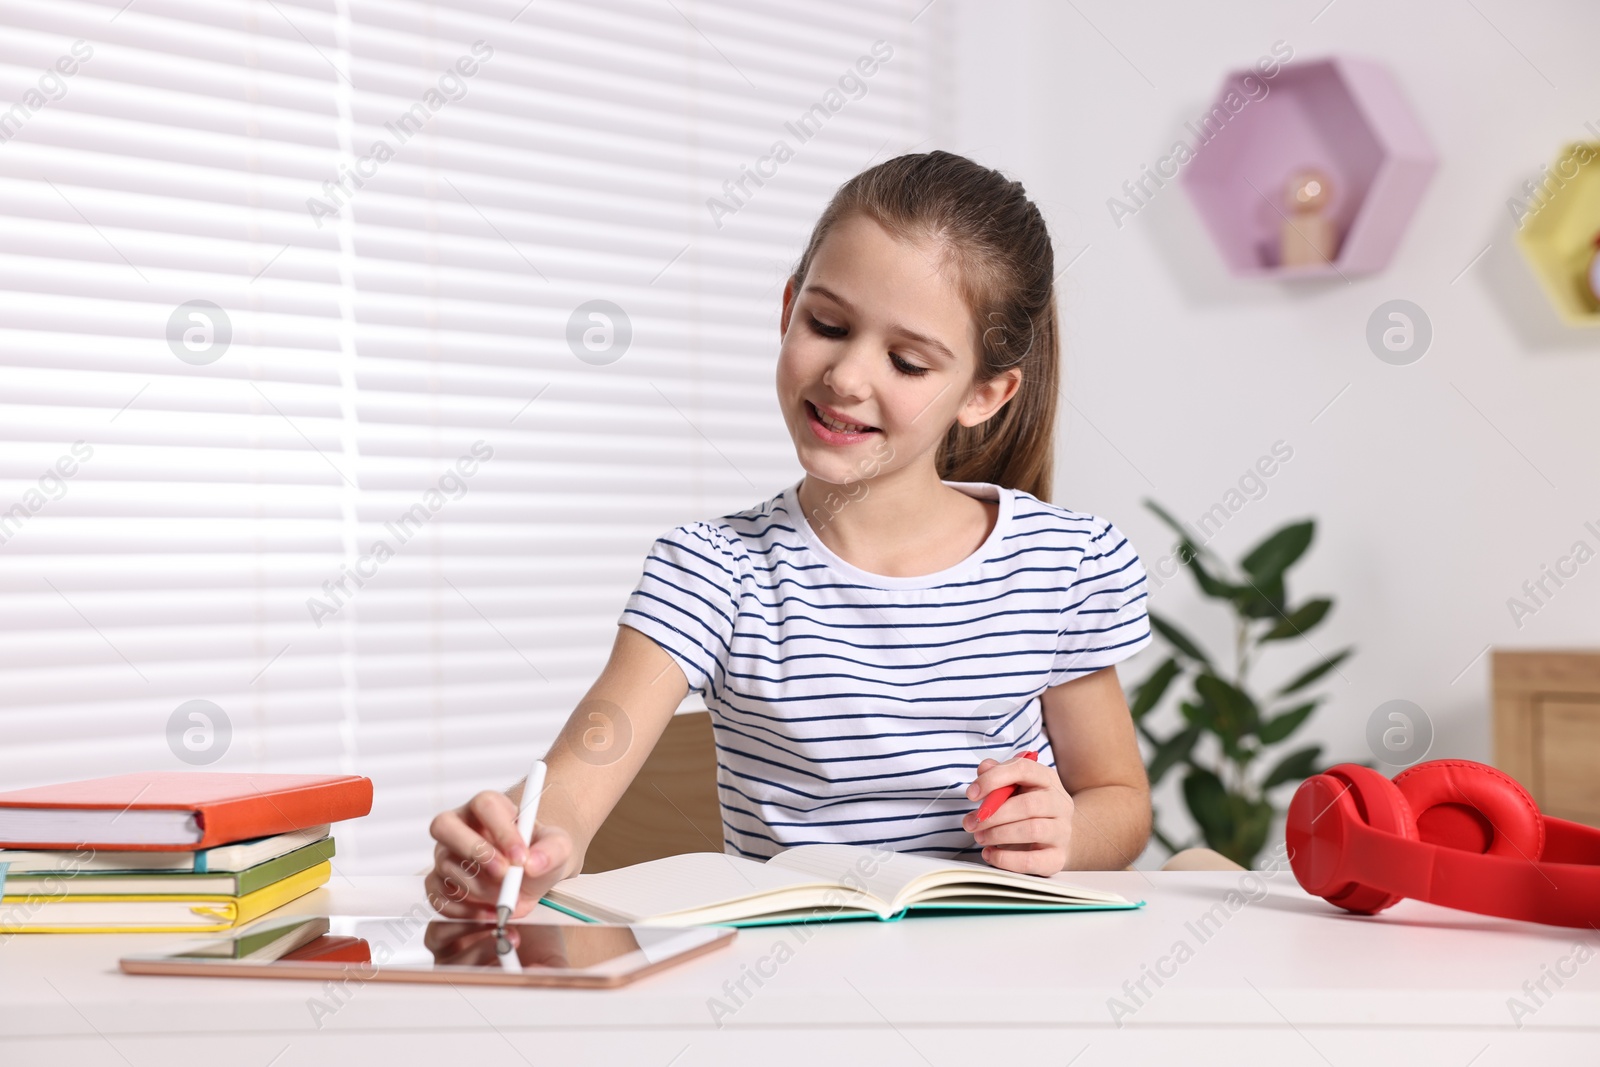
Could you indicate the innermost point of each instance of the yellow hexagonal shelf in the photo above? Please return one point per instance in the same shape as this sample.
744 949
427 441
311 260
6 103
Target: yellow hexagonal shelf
1558 234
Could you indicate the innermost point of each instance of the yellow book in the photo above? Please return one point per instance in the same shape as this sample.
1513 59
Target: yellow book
152 913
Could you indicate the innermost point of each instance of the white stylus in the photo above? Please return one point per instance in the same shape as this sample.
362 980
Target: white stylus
511 885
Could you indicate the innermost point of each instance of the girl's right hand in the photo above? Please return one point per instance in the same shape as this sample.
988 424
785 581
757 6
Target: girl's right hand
476 845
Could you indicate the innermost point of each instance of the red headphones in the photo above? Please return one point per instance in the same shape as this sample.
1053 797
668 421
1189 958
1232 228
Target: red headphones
1451 832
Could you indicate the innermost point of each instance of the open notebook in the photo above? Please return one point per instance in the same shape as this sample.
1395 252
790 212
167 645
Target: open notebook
809 883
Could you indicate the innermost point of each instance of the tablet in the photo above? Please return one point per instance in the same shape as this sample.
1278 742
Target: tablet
421 947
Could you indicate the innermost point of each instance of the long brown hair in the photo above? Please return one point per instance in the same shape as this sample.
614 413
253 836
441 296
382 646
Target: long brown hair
1005 270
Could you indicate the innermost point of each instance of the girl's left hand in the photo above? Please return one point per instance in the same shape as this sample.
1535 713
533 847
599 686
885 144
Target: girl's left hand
1031 833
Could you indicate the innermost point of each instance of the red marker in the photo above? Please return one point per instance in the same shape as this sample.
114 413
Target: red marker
992 802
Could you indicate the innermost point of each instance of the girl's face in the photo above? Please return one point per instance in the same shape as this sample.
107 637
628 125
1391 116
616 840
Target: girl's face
881 339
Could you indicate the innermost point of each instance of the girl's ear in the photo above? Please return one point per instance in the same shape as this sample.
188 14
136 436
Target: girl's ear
990 397
788 307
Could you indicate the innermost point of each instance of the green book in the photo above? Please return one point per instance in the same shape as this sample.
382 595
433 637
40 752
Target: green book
59 884
263 941
230 857
810 883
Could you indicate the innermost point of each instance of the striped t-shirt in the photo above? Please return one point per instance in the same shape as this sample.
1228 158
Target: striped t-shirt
853 707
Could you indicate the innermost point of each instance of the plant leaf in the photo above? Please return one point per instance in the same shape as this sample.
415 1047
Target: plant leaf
1251 823
1281 726
1208 804
1299 621
1162 514
1200 715
1171 752
1178 639
1153 688
1316 672
1213 586
1262 601
1268 560
1236 715
1191 555
1295 767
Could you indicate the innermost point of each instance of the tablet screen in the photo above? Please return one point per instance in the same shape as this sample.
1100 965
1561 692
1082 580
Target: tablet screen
381 946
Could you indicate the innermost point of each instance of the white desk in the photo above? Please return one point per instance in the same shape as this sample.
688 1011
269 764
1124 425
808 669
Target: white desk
1284 979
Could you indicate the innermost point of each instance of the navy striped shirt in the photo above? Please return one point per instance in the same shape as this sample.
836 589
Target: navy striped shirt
855 707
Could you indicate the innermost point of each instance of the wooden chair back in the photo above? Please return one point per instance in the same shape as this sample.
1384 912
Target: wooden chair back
671 805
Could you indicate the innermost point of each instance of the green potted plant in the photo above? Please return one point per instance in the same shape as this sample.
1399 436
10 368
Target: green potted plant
1226 791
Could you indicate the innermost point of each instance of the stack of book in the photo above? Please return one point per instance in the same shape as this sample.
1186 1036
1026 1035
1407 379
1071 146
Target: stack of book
167 852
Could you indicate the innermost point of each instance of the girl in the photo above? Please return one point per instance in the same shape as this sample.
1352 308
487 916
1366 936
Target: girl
880 641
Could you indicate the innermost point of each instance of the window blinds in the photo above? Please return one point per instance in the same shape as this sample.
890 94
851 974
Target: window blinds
353 353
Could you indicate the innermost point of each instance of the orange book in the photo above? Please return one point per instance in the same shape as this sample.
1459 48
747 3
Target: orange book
176 810
333 949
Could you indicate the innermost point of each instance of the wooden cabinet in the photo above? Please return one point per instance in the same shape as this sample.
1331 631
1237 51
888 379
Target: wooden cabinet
1547 728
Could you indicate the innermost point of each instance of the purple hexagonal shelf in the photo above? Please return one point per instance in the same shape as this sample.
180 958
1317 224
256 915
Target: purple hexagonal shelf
1345 117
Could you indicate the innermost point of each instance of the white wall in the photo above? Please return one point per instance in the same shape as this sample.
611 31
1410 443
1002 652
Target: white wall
1438 488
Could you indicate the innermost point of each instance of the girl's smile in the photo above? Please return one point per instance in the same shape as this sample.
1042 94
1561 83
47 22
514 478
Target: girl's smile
833 428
